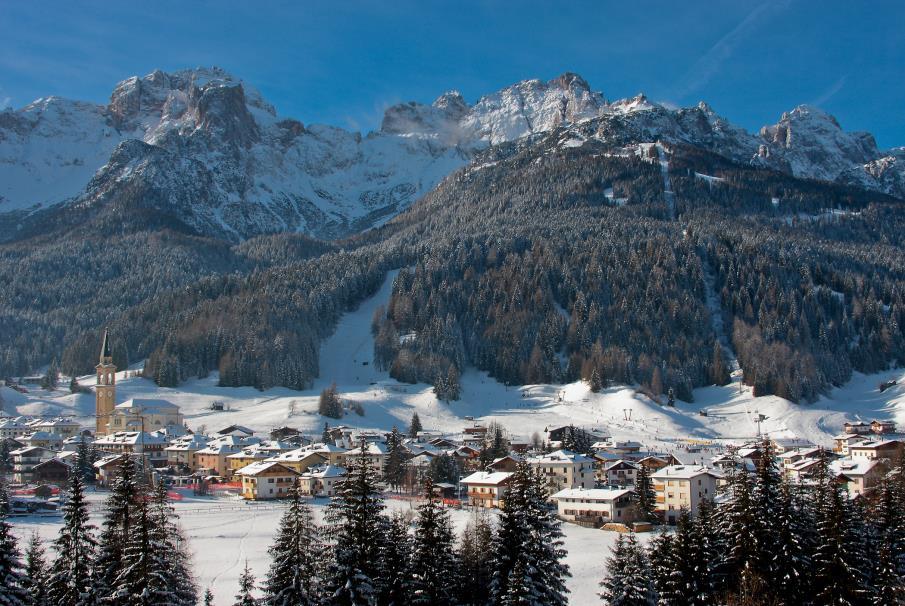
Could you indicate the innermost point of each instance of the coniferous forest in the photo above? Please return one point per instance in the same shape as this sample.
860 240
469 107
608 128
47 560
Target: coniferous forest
537 264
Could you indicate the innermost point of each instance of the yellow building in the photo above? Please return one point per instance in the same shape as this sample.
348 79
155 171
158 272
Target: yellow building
266 480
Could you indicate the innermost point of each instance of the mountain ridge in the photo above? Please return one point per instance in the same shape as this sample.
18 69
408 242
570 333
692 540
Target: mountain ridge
264 173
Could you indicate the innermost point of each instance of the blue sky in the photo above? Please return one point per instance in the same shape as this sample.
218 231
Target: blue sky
342 63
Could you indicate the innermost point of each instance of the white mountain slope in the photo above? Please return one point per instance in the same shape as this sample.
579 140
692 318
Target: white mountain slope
347 358
206 148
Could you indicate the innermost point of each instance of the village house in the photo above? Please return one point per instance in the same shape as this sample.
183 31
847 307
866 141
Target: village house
883 427
859 475
212 458
301 459
784 445
487 489
150 445
55 471
619 473
108 468
43 439
595 507
235 431
65 428
335 455
25 459
680 487
880 450
564 469
842 442
254 452
266 480
181 451
321 481
655 462
375 453
13 428
856 427
507 463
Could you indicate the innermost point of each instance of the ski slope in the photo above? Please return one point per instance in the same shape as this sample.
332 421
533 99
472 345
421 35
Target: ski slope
347 359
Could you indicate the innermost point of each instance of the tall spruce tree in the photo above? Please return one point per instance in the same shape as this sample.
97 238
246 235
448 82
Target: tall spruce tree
394 469
475 560
35 581
395 555
687 582
736 519
529 531
765 502
142 581
628 575
296 553
414 426
792 561
645 497
171 547
660 556
70 582
355 520
13 582
83 463
115 529
208 599
433 573
838 578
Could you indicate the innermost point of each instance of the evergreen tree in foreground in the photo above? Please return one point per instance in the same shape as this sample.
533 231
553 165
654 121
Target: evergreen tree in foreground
355 521
116 529
245 596
529 537
628 581
208 597
433 572
69 582
394 469
475 561
35 581
13 582
293 579
395 554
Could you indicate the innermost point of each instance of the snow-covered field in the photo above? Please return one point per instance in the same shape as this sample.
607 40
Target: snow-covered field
225 533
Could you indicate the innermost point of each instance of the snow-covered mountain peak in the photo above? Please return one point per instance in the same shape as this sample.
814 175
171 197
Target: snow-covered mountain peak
639 102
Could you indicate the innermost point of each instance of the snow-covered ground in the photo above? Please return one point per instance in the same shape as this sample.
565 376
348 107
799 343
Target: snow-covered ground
225 533
347 358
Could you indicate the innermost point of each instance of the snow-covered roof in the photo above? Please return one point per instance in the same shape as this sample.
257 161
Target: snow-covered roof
259 467
559 457
482 477
592 494
325 471
684 472
613 464
149 405
130 437
854 467
371 448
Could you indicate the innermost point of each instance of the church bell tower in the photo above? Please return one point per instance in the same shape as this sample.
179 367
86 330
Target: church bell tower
105 392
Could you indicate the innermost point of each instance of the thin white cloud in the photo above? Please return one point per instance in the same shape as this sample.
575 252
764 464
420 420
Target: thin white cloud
829 93
711 62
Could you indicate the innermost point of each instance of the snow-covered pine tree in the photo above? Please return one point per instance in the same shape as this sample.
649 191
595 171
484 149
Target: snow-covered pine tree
354 518
245 597
35 581
475 560
530 531
707 548
736 518
511 535
171 549
645 497
69 582
395 554
394 469
628 575
293 578
13 583
837 577
519 587
660 556
686 584
545 548
792 564
414 426
83 463
208 597
115 529
433 572
142 579
764 500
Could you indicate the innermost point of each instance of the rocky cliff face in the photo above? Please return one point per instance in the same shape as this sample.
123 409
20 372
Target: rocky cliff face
205 146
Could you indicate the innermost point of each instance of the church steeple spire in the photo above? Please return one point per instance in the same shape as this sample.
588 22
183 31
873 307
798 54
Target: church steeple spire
105 391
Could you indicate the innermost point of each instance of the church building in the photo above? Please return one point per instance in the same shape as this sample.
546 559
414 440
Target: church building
105 392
